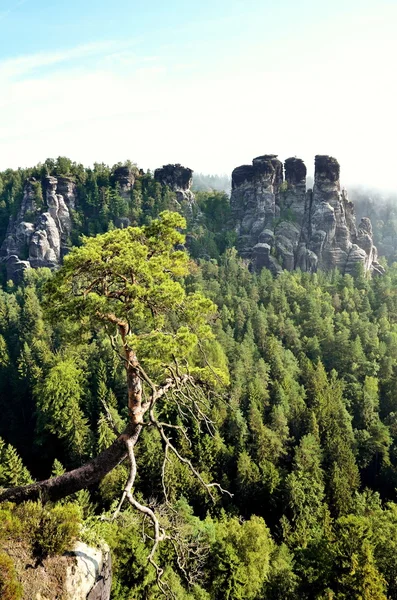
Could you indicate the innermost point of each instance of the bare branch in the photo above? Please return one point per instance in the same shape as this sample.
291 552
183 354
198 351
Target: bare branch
190 404
165 460
187 462
159 533
178 428
109 418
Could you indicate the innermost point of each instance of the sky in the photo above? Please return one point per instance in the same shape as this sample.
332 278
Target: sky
209 84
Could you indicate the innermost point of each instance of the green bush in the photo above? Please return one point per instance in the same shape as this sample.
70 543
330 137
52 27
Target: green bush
10 588
57 530
48 530
10 524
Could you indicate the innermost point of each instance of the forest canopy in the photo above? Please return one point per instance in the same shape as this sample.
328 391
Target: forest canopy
281 391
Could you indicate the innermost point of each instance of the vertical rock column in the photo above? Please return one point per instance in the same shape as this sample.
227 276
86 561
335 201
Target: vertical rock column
330 236
293 198
179 179
315 229
124 178
255 189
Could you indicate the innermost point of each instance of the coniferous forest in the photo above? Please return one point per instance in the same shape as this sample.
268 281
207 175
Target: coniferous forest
264 408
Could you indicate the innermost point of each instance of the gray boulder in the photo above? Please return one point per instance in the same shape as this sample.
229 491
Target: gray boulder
16 267
90 577
261 258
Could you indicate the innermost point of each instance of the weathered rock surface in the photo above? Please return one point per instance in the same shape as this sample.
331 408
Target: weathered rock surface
179 179
66 187
82 573
280 224
29 200
90 577
38 236
293 198
16 267
125 178
254 191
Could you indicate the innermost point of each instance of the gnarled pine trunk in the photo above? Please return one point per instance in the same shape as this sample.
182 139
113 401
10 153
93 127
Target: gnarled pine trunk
72 481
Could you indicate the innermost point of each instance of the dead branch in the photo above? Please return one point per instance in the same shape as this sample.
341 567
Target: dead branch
159 532
109 418
190 404
168 446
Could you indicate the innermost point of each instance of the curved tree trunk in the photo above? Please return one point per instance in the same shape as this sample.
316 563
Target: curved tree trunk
72 481
92 472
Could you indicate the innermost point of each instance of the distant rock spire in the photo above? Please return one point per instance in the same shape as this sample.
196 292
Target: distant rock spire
281 225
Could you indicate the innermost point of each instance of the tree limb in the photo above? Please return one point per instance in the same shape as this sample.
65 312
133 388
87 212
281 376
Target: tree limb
93 471
70 482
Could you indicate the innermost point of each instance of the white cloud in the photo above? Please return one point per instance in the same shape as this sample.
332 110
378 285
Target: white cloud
14 68
155 111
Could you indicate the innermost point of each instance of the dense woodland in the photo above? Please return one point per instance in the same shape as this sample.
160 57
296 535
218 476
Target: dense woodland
304 421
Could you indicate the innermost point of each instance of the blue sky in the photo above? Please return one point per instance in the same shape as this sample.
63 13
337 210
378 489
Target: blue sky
207 84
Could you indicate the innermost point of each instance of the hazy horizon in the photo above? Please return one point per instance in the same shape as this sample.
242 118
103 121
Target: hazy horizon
208 85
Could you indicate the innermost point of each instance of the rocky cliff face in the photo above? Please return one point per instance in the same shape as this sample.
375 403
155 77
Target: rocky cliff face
38 236
280 224
125 179
179 179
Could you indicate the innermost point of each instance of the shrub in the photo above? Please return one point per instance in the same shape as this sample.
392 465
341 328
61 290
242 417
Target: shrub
57 530
10 524
48 530
10 588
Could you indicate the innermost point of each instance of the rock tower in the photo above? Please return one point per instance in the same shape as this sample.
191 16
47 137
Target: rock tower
280 224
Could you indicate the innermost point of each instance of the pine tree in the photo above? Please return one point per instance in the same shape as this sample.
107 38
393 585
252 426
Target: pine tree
12 470
305 491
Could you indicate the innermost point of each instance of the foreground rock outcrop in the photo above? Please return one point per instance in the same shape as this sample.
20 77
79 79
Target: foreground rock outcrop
90 575
280 224
82 573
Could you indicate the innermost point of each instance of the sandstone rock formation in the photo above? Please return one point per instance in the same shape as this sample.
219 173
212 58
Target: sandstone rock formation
179 179
125 178
280 224
81 573
90 577
38 236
